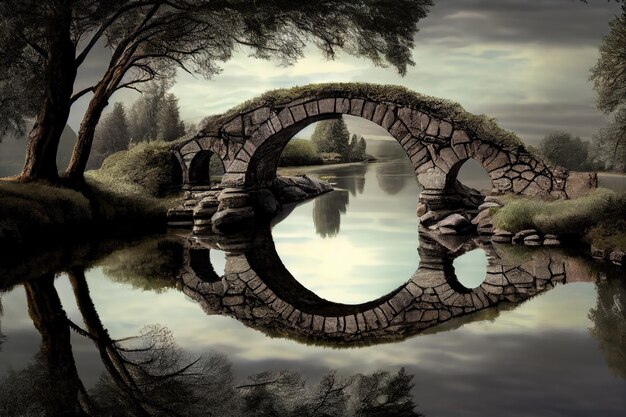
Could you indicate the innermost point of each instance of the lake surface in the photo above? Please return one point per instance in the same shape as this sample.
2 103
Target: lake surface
341 292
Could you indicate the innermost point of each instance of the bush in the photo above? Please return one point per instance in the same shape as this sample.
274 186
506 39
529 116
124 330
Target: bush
562 217
299 152
146 169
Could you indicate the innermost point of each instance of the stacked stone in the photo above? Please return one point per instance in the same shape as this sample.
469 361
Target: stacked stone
528 237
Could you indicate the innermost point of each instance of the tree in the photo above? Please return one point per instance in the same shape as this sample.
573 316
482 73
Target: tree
151 39
112 135
145 111
563 149
357 149
608 75
38 54
608 149
169 125
332 136
609 81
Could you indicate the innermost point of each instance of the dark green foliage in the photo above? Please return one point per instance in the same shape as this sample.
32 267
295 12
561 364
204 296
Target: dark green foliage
332 136
358 148
609 324
608 75
112 135
299 152
150 265
608 150
561 148
609 81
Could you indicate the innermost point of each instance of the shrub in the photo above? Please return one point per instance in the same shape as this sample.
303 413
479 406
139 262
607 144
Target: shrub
146 169
299 152
562 217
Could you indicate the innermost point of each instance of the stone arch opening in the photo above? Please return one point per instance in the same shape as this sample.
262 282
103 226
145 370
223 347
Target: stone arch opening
205 167
263 164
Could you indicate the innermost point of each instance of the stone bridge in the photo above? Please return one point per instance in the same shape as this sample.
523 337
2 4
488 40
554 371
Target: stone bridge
258 290
437 135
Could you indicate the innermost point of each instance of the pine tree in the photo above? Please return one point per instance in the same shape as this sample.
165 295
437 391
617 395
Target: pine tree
111 135
169 125
332 136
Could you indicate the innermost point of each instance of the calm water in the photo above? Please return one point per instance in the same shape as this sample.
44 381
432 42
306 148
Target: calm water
352 253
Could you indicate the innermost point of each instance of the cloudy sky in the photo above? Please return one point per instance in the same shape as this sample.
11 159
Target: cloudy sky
524 63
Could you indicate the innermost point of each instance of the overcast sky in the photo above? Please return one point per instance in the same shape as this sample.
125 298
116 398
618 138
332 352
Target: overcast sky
525 63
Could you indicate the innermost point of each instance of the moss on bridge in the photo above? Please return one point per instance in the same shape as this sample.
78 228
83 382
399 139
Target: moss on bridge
481 126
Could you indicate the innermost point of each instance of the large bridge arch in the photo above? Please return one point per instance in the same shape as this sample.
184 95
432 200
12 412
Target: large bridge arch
436 134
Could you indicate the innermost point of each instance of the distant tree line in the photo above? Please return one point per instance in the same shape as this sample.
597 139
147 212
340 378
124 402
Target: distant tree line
154 116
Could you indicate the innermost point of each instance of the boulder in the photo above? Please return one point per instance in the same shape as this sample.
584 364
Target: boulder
523 234
454 221
488 205
232 218
551 242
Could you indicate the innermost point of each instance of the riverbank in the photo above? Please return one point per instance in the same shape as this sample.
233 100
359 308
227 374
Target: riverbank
128 195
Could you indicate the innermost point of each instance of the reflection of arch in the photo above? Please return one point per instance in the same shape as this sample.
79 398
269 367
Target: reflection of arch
258 290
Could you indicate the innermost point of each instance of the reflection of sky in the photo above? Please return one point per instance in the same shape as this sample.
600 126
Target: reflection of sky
374 252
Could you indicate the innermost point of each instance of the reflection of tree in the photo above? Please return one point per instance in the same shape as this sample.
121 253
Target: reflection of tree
327 211
352 178
285 394
149 265
51 386
392 176
149 375
3 337
609 319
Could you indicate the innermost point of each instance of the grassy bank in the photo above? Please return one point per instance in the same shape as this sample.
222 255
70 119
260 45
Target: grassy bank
131 192
598 219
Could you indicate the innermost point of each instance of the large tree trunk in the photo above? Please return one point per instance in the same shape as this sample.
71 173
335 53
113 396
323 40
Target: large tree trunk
102 93
60 73
80 154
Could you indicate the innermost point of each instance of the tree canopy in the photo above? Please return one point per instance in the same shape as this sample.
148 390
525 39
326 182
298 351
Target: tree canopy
609 81
563 149
151 39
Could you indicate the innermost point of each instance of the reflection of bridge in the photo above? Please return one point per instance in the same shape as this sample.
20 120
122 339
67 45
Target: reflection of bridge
438 137
258 290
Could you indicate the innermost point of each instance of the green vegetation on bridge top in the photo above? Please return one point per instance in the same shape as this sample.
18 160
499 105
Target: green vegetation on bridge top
481 126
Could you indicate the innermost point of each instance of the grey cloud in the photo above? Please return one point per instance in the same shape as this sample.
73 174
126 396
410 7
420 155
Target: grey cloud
568 22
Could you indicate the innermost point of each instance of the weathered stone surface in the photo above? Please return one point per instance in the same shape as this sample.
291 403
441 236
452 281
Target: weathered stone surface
454 221
579 184
551 242
488 204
